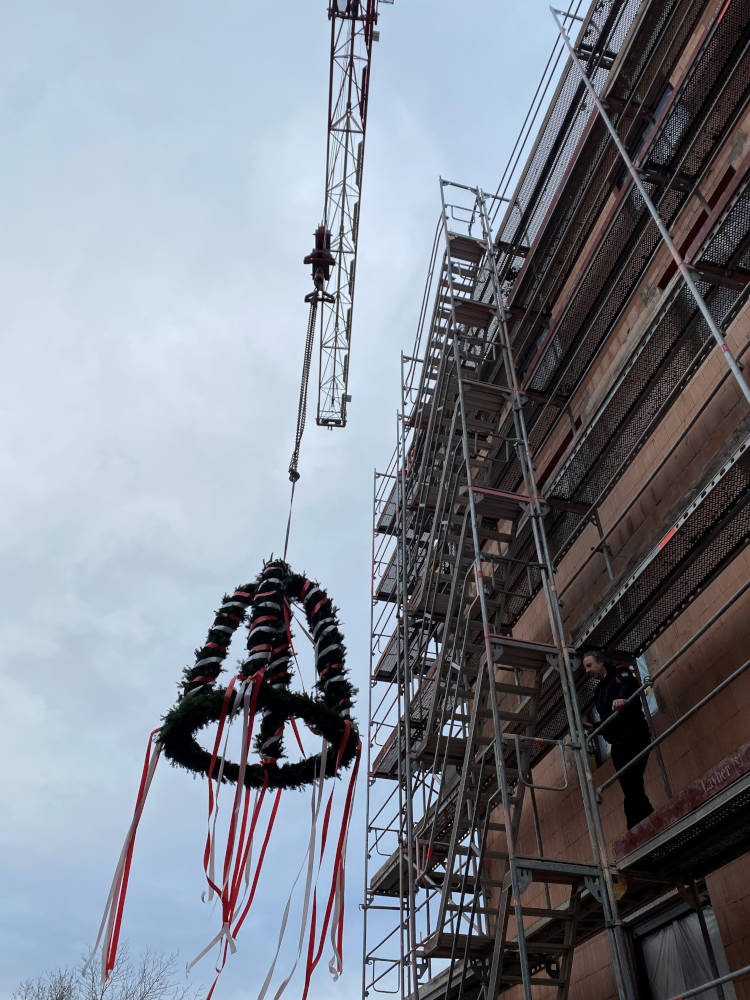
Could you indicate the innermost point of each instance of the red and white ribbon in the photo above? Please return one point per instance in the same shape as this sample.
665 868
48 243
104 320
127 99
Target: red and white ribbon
337 882
234 861
316 800
112 917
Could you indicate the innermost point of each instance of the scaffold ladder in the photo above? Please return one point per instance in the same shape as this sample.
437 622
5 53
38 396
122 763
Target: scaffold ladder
482 674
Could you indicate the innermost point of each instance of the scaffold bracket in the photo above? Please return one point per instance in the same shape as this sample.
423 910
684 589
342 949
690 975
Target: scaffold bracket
594 886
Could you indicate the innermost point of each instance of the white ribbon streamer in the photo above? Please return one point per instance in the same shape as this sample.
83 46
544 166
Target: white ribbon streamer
108 916
309 859
207 897
337 960
244 693
225 932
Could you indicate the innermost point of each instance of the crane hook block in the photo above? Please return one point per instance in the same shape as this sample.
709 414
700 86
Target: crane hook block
320 258
344 8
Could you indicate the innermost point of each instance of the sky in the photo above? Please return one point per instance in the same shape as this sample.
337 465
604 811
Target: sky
160 180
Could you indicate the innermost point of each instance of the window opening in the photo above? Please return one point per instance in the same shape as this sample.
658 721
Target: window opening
671 953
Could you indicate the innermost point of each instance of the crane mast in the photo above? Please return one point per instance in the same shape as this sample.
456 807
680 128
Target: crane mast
334 256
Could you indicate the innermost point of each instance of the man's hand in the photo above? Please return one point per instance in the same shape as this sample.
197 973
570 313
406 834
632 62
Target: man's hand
618 704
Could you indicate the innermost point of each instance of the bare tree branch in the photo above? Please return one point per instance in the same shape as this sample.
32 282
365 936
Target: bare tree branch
154 976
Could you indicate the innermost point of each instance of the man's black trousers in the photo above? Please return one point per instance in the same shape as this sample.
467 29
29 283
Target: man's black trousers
636 802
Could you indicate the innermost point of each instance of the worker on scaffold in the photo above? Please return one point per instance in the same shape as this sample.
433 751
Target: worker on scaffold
626 731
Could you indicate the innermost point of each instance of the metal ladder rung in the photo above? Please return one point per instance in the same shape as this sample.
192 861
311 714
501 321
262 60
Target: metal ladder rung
466 248
522 715
485 396
486 535
518 689
533 981
544 912
539 665
547 947
472 313
442 945
468 908
495 855
556 872
511 773
498 503
510 651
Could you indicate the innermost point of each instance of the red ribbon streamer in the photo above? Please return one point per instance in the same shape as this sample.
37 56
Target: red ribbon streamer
214 756
296 733
122 888
225 893
337 866
260 863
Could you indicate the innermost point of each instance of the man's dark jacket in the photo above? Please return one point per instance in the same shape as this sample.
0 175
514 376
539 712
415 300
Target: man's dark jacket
629 724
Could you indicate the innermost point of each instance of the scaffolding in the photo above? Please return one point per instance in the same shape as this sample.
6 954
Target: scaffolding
469 694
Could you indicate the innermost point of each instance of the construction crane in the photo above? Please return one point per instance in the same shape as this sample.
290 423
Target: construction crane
334 256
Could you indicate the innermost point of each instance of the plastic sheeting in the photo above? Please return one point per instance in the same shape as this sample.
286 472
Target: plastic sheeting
675 958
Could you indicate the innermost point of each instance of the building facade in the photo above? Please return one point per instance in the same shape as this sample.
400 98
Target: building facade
572 471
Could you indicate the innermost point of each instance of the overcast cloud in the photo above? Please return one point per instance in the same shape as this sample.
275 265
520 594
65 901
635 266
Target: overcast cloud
162 173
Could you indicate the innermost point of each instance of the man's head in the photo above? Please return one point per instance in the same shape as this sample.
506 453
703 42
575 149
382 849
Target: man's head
595 665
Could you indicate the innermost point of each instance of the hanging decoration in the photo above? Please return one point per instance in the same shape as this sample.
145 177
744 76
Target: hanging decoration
261 687
268 669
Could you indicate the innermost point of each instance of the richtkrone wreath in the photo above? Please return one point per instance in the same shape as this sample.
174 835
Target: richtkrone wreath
268 668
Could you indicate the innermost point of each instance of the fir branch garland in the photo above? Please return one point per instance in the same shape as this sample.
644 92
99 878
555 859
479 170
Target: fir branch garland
269 647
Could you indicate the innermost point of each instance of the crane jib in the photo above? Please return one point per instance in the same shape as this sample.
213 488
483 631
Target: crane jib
333 257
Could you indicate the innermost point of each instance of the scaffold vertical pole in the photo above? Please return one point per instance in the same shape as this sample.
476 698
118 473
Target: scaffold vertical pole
683 268
405 678
369 740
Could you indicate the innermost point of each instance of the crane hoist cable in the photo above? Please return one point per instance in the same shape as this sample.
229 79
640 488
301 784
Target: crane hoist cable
321 260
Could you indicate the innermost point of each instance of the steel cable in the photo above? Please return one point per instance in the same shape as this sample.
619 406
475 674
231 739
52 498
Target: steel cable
301 412
302 407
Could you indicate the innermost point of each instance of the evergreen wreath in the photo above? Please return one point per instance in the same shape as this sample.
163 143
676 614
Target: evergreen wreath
269 647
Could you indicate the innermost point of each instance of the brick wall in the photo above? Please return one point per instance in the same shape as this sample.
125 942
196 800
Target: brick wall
722 725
